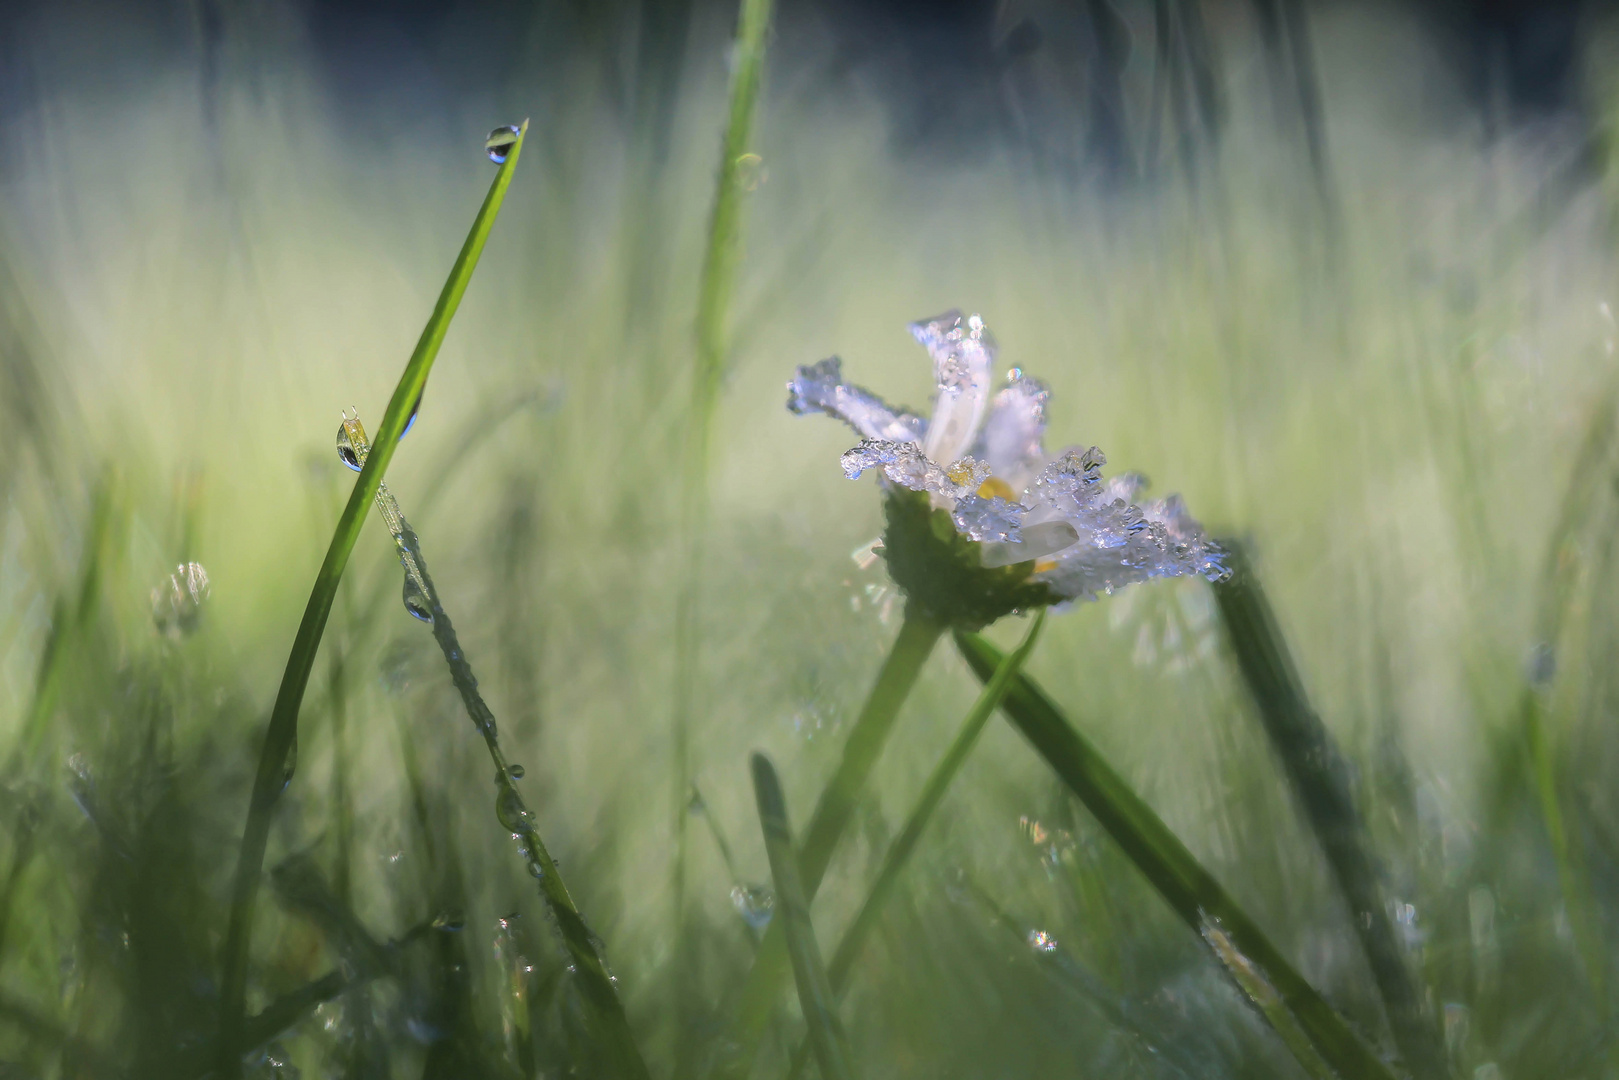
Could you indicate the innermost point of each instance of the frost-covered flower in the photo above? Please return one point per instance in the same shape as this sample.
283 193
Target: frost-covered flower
1015 528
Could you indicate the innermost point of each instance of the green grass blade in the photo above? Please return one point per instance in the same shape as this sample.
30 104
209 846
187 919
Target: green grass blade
899 852
836 806
1180 879
1320 779
715 292
268 779
792 909
67 623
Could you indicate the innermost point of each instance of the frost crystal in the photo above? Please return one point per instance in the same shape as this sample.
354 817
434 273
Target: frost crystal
820 388
989 519
1083 534
963 355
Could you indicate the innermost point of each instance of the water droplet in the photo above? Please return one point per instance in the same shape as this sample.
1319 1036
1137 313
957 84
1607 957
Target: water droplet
515 771
755 903
415 408
1040 941
177 603
500 142
750 172
345 448
290 766
416 601
509 808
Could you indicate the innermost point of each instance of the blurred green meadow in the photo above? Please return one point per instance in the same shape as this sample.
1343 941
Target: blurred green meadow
1394 380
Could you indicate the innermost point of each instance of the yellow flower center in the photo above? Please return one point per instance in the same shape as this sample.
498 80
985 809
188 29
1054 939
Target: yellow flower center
995 487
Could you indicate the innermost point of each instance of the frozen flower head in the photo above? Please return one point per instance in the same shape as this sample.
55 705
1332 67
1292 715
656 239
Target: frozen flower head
981 521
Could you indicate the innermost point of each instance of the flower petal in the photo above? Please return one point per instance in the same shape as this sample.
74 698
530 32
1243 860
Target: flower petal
963 353
1119 543
903 463
820 388
1039 540
1010 440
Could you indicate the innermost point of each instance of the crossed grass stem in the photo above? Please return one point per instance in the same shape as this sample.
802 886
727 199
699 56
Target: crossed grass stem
587 958
271 775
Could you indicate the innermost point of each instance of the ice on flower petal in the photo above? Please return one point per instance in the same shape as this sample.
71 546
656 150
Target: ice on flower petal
820 388
903 463
963 353
1039 540
992 519
1010 441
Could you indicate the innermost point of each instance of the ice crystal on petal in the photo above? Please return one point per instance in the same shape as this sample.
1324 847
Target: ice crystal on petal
1010 441
820 388
992 519
903 463
963 353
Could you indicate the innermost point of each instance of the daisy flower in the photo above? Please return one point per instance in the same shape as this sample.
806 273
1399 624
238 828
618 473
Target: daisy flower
981 520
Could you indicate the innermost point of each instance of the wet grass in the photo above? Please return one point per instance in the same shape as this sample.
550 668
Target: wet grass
1409 416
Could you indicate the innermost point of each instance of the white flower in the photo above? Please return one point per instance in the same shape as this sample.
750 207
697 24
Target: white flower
981 459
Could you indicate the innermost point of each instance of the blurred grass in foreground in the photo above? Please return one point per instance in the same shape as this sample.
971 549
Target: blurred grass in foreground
201 263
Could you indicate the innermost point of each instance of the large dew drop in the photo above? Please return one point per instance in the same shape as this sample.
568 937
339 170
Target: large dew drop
345 446
755 903
499 144
416 601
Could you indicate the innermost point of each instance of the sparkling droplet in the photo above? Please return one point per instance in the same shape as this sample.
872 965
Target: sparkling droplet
410 421
1040 941
500 142
345 449
416 601
515 771
177 603
750 172
755 903
290 766
509 808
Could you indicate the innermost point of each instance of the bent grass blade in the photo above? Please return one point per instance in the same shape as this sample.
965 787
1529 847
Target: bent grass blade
1174 871
833 810
1319 776
269 780
792 905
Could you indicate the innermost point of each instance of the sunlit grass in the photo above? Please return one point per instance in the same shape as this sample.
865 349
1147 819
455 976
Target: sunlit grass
1393 425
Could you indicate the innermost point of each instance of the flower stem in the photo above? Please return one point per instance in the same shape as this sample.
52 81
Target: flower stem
933 792
898 676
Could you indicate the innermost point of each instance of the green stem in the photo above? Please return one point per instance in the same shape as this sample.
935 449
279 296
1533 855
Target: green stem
1189 888
836 806
899 852
1320 780
792 908
270 778
715 293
